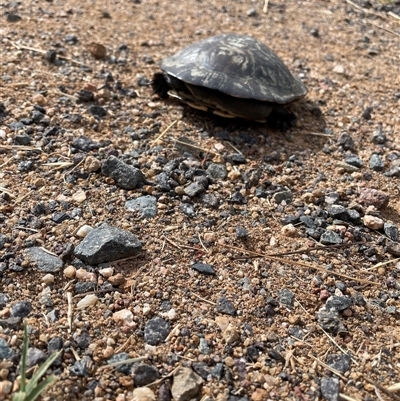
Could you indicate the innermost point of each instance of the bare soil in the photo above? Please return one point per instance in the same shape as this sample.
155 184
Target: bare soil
348 56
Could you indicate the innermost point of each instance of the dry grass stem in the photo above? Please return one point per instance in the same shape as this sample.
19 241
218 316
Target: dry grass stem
203 299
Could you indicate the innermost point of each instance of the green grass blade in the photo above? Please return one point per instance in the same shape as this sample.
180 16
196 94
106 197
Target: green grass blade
35 393
40 373
23 359
20 396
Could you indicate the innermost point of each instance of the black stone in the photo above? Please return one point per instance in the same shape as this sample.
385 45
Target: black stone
225 306
124 175
339 303
106 244
21 309
330 238
330 387
144 374
204 268
156 331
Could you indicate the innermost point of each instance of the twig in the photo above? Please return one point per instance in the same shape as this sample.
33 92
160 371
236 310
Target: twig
337 345
7 161
335 371
155 383
114 364
159 138
201 242
380 264
304 266
195 147
380 387
5 190
172 243
380 27
123 346
70 311
313 133
34 49
203 299
265 8
19 147
172 332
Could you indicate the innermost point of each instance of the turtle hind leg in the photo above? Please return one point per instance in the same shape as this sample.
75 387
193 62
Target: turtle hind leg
160 85
281 119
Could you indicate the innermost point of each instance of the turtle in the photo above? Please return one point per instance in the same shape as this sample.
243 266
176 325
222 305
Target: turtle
231 75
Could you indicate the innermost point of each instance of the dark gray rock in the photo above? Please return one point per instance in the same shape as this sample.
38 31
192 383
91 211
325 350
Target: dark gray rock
5 350
144 374
188 209
286 297
338 212
281 196
393 248
241 232
308 221
330 321
79 368
4 299
204 348
237 158
13 323
147 205
202 369
82 339
209 200
163 181
354 160
378 136
124 175
204 268
23 139
156 331
21 309
225 306
346 141
330 388
35 357
376 163
106 244
338 303
340 362
82 287
124 368
97 111
217 171
44 261
194 189
391 231
330 238
84 143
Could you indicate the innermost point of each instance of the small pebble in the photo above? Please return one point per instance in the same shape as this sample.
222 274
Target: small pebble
289 230
373 222
48 279
69 272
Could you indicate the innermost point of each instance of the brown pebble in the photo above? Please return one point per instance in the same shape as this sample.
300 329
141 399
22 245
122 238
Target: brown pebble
97 50
373 197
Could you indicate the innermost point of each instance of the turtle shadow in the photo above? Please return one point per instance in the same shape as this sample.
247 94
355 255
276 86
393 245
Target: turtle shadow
305 133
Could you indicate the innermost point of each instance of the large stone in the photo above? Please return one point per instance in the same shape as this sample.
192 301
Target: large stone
186 385
106 244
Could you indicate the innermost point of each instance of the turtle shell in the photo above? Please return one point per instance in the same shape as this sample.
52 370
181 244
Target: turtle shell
236 65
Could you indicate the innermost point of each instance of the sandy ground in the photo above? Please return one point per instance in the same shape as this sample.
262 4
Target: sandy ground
269 348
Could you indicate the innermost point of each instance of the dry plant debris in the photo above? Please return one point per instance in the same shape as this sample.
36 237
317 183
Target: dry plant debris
170 254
